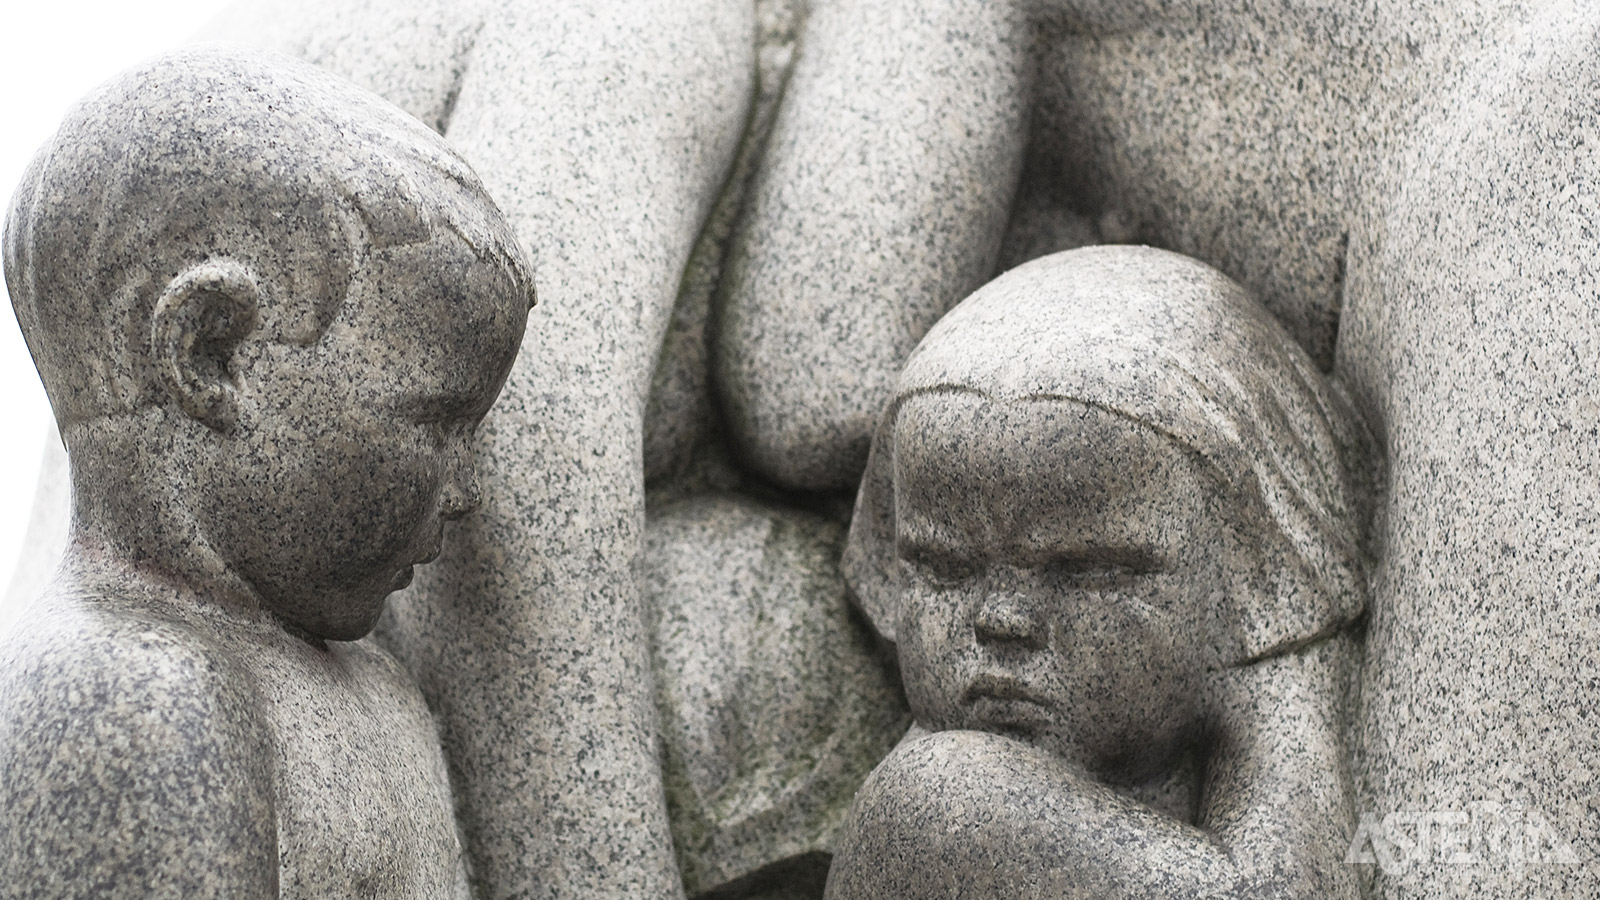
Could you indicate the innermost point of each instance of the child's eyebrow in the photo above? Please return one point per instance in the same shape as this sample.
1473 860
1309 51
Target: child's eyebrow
920 547
1133 558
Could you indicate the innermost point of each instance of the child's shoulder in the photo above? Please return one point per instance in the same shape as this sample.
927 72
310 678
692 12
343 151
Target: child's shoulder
115 722
98 666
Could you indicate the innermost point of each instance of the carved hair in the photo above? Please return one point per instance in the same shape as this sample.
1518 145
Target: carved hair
1170 343
220 153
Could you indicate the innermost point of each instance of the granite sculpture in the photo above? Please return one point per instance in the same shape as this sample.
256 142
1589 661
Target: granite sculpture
620 160
745 216
1114 515
269 309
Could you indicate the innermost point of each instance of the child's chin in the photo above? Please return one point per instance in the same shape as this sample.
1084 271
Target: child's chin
1013 717
360 613
355 630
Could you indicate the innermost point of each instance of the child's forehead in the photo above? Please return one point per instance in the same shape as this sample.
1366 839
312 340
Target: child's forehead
964 420
434 308
1044 476
424 283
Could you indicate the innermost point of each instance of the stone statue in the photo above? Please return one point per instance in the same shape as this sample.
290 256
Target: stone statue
1403 183
269 309
1114 513
633 622
744 216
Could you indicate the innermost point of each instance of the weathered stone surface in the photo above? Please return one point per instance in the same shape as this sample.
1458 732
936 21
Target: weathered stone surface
911 134
269 309
413 53
681 416
1112 512
866 221
1257 138
775 700
1471 326
605 133
1252 136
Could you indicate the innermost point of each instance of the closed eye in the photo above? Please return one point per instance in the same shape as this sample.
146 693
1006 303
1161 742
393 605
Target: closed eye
1105 565
940 568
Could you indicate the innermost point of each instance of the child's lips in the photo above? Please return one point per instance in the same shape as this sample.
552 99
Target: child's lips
1004 704
993 686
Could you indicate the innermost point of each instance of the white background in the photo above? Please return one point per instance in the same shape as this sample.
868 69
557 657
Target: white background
55 51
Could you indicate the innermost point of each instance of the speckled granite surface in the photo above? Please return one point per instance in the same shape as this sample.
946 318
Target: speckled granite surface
1471 326
1401 182
857 236
1113 513
269 309
605 132
775 702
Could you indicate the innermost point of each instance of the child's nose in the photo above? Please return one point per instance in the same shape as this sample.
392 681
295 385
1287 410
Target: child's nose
460 495
1007 617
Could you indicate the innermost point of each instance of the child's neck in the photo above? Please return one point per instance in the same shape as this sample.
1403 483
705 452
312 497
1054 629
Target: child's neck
106 573
1173 790
133 532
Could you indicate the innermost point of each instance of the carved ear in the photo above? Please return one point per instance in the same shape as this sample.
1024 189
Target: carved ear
198 323
869 563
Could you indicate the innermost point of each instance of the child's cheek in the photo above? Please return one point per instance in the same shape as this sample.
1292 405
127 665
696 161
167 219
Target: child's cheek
935 654
1159 675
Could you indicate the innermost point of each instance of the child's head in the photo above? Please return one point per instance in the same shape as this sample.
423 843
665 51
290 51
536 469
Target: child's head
1105 474
289 292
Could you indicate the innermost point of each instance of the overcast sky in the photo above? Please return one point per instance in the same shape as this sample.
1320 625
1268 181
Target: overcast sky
55 52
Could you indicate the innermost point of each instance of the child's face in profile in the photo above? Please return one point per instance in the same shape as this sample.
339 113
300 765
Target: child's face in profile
1059 573
351 452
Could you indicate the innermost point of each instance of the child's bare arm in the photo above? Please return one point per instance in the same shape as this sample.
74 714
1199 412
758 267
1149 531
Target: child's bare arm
132 765
979 815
